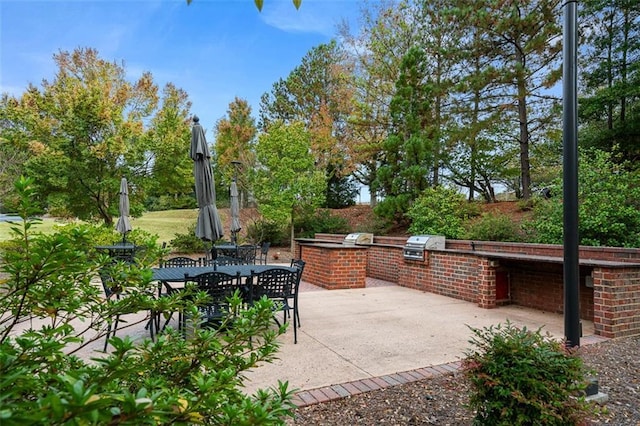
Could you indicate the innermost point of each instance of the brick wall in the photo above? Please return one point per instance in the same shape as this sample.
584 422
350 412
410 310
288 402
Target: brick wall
334 267
383 262
616 301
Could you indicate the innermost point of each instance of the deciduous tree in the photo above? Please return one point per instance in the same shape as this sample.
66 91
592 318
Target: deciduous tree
86 131
169 134
235 141
286 177
318 93
385 36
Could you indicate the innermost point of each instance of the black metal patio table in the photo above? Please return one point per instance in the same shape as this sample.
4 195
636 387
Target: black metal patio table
120 251
182 273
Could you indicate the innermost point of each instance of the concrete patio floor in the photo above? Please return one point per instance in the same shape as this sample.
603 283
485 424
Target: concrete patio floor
361 335
356 334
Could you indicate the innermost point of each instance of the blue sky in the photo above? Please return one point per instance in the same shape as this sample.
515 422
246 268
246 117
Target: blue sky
213 49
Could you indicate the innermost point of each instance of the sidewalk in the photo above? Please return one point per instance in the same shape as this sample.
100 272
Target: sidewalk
352 341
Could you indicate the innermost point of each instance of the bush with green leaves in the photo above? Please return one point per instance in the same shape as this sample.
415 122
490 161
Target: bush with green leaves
608 210
187 242
268 230
522 377
438 211
170 202
493 227
320 221
52 307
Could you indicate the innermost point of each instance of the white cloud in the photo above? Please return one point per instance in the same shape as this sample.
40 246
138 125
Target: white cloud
314 16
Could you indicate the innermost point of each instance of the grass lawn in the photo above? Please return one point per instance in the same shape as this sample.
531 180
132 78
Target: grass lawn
46 226
165 224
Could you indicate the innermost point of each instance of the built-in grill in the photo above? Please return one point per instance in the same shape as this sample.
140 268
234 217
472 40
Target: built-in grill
358 238
416 245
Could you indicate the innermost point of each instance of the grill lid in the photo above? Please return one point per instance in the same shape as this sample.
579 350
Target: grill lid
416 245
358 238
417 241
435 242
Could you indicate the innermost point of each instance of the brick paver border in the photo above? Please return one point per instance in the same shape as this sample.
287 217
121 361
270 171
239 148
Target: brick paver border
343 390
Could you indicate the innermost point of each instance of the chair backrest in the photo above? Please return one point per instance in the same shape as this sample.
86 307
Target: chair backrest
109 284
298 264
218 285
264 253
231 252
275 283
264 248
247 252
180 261
228 260
127 255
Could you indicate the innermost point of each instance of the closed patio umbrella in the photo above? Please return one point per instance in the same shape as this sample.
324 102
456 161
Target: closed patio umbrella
208 226
123 225
235 212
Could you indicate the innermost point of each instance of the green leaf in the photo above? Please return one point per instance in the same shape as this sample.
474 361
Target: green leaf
259 4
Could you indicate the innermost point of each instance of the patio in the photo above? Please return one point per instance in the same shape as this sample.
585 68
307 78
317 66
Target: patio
359 339
383 329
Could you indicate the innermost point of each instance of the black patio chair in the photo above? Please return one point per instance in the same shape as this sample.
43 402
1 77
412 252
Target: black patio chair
219 286
216 251
279 285
174 262
180 261
113 290
229 260
247 252
299 265
264 252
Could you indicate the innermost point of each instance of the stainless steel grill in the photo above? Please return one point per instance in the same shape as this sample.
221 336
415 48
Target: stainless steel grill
358 238
416 245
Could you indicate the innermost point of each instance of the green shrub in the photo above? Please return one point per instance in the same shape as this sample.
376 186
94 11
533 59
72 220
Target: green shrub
320 221
471 209
188 243
608 209
520 377
493 227
439 211
393 208
48 284
167 202
267 230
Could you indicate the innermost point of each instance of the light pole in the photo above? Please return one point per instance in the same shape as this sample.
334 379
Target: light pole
570 175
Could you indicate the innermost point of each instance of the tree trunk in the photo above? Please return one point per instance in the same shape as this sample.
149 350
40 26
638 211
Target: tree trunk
525 165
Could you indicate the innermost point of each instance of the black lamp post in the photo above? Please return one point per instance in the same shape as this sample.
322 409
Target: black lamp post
570 175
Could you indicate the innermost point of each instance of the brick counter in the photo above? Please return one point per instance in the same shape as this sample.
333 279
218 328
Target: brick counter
334 266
